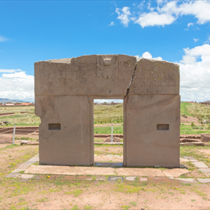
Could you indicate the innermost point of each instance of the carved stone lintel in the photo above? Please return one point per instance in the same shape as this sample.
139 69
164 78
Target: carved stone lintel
107 66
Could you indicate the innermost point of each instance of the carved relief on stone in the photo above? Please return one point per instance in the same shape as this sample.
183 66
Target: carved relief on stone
107 66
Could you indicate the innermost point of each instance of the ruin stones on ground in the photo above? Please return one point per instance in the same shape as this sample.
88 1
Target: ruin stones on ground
205 137
115 139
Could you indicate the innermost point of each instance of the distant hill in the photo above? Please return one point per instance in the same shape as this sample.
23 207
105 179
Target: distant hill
5 100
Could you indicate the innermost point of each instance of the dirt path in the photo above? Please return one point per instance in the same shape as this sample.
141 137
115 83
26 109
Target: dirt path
189 120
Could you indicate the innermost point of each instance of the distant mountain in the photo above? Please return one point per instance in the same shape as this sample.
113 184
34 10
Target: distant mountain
5 100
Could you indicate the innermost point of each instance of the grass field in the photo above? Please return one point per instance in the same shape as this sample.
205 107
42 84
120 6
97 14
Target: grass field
201 111
104 114
184 108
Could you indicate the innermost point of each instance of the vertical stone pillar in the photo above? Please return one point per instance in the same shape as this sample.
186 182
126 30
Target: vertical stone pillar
66 130
152 130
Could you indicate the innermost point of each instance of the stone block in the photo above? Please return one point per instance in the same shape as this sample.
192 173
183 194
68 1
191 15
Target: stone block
24 166
206 170
204 181
13 175
145 143
17 170
130 178
155 77
188 180
72 144
199 165
102 75
205 137
115 178
64 94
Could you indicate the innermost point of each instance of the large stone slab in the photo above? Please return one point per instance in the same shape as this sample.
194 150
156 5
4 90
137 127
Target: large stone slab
72 144
205 137
65 90
176 172
93 75
13 175
97 171
204 181
155 77
146 144
67 170
151 172
200 165
205 170
188 180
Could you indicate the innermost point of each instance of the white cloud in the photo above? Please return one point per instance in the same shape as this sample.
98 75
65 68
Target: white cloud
195 40
123 15
111 24
190 24
9 70
147 55
16 84
3 39
165 13
195 74
153 18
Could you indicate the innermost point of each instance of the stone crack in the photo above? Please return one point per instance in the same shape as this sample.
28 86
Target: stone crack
134 71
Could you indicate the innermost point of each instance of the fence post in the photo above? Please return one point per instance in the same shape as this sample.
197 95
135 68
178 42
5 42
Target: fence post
112 133
13 140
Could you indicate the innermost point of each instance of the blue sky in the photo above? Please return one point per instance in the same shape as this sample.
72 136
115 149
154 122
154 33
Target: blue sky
176 31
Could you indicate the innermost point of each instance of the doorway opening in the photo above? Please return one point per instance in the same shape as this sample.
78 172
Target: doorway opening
108 132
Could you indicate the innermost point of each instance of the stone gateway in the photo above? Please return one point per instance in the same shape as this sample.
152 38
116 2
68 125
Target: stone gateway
65 90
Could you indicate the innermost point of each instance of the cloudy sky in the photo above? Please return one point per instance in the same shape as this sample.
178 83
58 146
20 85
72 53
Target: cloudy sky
175 31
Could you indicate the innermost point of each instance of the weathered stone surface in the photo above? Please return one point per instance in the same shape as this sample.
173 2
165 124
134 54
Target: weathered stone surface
115 139
102 75
130 178
205 170
176 172
205 137
66 170
115 178
189 180
155 77
23 142
145 145
65 90
183 140
13 175
151 172
73 143
200 165
24 166
192 144
204 181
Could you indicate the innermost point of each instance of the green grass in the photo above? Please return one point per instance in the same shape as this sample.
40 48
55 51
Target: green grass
184 108
107 130
184 129
108 114
201 111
